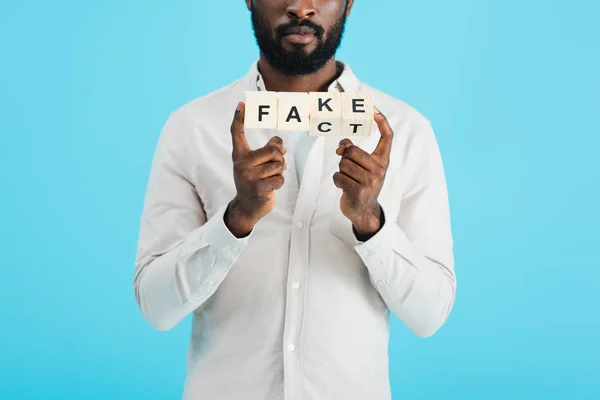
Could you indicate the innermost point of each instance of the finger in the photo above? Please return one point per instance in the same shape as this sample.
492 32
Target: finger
277 142
384 147
340 150
344 144
270 168
272 183
353 170
344 182
360 157
240 145
266 154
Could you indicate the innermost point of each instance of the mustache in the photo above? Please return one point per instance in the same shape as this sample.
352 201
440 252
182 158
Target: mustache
283 28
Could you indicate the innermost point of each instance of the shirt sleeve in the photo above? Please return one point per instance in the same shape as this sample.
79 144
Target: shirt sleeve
410 260
181 256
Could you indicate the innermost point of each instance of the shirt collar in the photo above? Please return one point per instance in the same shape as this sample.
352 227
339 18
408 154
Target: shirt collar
346 82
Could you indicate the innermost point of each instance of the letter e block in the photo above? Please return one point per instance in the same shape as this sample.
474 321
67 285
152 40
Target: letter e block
325 114
294 111
357 113
261 110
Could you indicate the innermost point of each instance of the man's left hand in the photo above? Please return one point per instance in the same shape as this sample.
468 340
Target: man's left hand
361 176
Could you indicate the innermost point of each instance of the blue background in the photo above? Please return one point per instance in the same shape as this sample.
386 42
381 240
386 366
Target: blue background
510 86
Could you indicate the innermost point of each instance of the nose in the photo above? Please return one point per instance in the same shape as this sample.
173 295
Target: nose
301 9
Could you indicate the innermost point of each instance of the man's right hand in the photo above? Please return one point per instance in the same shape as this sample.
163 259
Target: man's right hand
257 174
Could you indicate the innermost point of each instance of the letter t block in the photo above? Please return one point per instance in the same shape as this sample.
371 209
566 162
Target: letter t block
357 113
261 110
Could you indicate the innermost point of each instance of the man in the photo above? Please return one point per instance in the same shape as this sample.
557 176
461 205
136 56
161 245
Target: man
290 251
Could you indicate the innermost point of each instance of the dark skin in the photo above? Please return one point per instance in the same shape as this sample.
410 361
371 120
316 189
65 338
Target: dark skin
259 173
320 12
361 176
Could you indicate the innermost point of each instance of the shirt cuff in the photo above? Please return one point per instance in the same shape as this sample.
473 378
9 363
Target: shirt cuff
379 250
208 256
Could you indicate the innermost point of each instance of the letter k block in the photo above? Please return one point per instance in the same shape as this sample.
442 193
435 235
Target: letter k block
325 114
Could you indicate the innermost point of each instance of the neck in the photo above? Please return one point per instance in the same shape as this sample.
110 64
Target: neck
317 82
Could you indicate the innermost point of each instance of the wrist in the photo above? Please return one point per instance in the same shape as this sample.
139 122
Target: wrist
368 224
238 221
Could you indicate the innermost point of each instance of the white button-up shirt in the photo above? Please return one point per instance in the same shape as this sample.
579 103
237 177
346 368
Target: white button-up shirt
299 309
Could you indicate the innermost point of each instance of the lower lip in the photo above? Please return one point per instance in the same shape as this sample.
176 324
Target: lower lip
298 38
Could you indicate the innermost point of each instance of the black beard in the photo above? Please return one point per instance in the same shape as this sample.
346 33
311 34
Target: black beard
298 62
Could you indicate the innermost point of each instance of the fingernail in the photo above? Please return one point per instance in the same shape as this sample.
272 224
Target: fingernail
377 110
239 106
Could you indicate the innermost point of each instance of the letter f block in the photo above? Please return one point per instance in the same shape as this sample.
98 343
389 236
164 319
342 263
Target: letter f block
261 110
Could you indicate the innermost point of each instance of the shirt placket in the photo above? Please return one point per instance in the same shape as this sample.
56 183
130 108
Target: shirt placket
303 210
297 269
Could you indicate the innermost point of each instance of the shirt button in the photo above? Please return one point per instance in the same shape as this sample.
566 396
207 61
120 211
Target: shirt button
382 282
299 225
296 285
291 347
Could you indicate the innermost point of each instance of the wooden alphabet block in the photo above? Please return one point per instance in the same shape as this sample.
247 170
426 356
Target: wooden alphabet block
357 113
320 113
294 111
325 114
261 110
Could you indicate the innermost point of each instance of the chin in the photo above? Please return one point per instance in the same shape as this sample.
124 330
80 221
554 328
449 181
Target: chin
301 49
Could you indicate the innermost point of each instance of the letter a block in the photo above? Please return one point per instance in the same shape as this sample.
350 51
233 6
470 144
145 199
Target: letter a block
357 113
325 114
261 110
294 111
